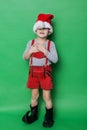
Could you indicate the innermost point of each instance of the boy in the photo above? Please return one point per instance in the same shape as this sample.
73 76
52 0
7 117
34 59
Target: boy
41 52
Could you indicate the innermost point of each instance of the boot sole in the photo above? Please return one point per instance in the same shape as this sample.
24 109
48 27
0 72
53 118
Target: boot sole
48 125
28 122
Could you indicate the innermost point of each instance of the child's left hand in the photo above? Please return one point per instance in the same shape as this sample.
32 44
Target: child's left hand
42 49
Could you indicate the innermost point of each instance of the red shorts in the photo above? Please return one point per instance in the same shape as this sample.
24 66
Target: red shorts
40 82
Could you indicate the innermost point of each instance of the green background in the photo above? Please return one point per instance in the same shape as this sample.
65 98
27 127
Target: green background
70 73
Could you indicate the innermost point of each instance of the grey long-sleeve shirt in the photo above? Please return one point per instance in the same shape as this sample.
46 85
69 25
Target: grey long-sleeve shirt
51 55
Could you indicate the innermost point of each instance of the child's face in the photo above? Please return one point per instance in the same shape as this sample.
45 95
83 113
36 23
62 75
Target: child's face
43 32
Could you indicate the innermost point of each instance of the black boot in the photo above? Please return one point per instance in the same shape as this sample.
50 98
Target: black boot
48 120
33 116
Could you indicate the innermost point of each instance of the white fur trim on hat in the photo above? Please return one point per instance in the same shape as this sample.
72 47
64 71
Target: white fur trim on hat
41 24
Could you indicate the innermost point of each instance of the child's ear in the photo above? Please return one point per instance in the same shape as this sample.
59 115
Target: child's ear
49 32
35 31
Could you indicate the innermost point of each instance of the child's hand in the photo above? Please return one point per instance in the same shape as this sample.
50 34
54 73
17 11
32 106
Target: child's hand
33 49
42 49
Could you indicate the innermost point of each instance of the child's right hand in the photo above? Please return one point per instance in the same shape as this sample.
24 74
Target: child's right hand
33 49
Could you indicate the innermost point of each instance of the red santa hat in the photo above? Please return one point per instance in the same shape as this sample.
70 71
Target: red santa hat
43 21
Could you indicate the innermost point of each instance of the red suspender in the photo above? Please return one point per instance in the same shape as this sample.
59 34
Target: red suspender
48 48
32 43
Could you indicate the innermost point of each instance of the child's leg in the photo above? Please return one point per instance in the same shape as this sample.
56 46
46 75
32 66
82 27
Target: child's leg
47 98
34 97
48 119
32 115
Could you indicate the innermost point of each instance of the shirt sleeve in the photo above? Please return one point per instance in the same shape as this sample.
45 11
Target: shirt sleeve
28 46
52 54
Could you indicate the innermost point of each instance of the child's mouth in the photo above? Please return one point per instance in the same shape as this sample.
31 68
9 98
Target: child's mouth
41 33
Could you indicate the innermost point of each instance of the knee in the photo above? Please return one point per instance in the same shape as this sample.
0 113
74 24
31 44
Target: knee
46 97
35 96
